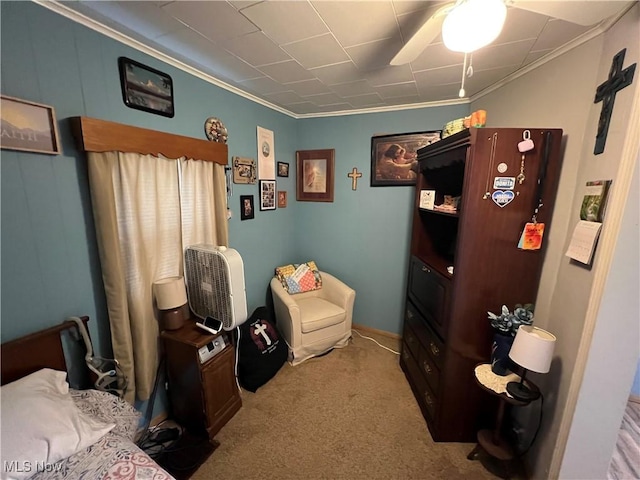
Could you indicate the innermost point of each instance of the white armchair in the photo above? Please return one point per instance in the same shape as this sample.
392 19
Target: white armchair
312 323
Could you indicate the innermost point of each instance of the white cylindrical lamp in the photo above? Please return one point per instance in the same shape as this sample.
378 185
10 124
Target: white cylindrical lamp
171 300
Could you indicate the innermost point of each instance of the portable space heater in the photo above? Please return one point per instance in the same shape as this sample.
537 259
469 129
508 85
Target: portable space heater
215 284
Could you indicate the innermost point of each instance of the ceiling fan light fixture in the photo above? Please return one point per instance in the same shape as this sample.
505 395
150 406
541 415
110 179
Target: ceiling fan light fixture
472 24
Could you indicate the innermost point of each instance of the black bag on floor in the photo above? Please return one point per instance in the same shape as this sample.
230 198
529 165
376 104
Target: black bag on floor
261 350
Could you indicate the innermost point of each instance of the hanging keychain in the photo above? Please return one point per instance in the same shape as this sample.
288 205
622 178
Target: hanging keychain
526 145
531 237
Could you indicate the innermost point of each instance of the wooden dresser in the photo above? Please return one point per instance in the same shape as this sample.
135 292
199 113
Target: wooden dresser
446 331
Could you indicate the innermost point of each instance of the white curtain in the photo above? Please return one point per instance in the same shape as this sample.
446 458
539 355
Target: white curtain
147 210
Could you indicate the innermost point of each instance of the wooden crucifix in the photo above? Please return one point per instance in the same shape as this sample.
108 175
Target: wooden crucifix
354 176
606 92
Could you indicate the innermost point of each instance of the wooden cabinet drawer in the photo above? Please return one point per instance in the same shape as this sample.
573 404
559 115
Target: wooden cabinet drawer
429 292
429 369
421 390
429 340
410 338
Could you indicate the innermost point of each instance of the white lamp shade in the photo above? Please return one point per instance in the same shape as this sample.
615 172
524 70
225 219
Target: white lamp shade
472 24
533 348
170 292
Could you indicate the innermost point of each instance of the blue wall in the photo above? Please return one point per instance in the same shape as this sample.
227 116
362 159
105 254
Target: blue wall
50 266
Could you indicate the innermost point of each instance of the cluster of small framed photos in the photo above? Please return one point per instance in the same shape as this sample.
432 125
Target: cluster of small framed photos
269 198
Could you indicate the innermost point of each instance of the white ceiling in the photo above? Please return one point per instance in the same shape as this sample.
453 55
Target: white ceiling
311 58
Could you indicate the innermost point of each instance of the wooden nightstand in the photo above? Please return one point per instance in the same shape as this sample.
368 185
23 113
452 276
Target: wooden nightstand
492 441
204 396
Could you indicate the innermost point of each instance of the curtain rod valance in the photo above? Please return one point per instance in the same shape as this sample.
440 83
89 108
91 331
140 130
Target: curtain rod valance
94 135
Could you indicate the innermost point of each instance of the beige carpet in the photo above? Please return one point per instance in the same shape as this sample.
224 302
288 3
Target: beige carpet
349 414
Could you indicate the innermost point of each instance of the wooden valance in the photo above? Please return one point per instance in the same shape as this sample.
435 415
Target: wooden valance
94 135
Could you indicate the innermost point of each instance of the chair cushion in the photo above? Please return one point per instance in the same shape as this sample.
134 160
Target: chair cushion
317 313
299 277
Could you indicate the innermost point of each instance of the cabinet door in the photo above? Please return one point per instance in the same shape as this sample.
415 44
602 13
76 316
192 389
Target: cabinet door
428 290
221 396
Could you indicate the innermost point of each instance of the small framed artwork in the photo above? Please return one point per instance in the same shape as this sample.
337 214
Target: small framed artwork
246 207
283 169
267 194
315 175
394 158
145 88
282 198
28 126
244 170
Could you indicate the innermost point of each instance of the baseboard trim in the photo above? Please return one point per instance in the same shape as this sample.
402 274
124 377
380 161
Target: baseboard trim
384 333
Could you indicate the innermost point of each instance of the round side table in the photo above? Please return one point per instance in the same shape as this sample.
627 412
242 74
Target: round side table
492 441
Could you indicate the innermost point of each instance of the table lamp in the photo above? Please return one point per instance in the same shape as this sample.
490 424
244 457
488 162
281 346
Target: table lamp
171 298
533 350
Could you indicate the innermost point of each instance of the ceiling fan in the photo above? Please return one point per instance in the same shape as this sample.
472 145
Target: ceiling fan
480 15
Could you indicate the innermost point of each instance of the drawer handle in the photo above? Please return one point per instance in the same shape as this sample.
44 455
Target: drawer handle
409 314
426 269
405 355
426 367
411 339
428 399
435 350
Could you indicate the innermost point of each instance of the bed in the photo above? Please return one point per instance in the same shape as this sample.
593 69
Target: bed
50 431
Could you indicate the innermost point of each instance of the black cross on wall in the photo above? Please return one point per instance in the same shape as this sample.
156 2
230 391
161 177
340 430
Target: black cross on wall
606 92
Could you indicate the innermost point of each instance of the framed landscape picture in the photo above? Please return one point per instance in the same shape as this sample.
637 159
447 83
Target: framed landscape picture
28 126
145 88
314 175
394 157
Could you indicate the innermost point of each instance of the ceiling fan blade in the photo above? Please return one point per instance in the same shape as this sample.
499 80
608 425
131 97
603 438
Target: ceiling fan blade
580 12
423 37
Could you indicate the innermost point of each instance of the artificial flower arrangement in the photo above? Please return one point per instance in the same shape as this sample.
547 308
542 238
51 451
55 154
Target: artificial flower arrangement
507 323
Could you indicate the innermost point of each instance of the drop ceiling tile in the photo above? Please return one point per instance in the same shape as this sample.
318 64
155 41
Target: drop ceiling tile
374 55
407 100
352 88
432 93
215 20
286 72
338 73
240 4
354 23
398 90
317 51
434 56
263 86
533 56
521 24
389 75
556 33
485 78
495 56
284 98
286 21
440 76
325 99
255 49
410 23
145 18
368 100
336 107
308 87
187 44
411 6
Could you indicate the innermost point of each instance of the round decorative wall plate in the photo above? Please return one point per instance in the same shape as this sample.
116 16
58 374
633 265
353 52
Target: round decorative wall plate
215 130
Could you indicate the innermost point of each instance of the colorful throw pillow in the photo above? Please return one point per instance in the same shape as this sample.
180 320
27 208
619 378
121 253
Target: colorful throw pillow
299 277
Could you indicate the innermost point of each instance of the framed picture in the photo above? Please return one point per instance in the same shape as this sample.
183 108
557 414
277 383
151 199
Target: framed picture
267 194
282 198
145 88
246 207
394 157
283 169
244 170
314 175
28 126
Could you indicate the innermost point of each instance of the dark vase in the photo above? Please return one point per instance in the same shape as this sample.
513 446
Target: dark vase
500 362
